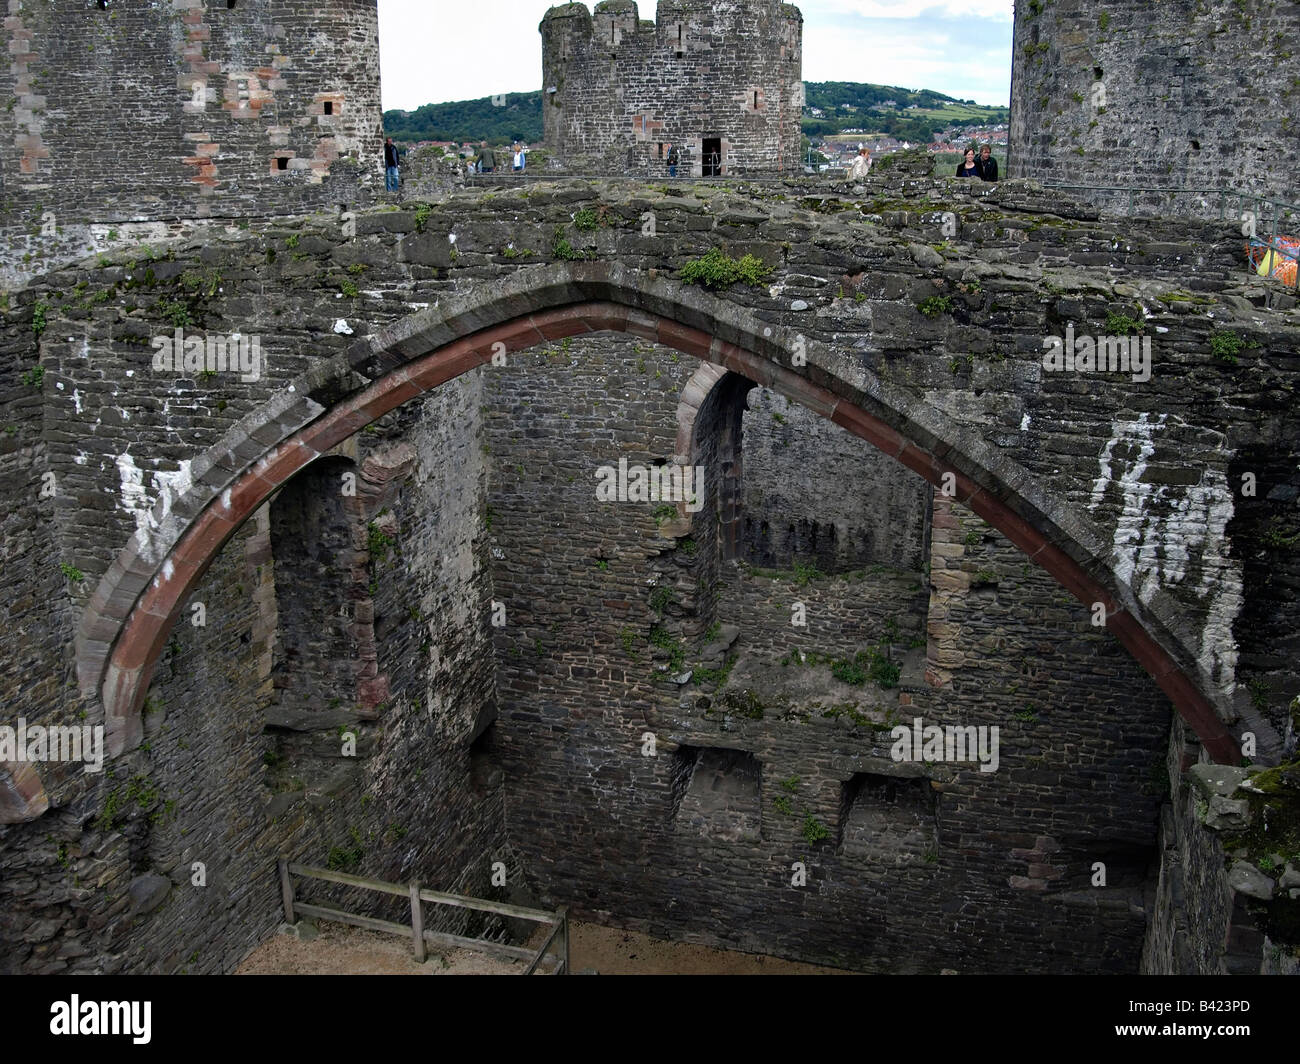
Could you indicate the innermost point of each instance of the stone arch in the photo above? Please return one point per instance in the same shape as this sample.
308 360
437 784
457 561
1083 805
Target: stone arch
715 398
127 621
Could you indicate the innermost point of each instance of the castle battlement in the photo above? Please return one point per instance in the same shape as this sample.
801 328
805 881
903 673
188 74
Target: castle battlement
721 80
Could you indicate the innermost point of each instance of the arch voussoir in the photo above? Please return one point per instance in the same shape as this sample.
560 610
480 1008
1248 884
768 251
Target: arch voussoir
130 616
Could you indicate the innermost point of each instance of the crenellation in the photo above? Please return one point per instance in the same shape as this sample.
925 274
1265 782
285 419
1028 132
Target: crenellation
718 79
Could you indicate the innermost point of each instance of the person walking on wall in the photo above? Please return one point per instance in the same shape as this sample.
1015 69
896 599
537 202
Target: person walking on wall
986 164
487 159
674 160
861 165
392 175
967 167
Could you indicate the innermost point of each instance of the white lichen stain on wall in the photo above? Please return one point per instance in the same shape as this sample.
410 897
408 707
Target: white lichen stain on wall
135 500
1163 532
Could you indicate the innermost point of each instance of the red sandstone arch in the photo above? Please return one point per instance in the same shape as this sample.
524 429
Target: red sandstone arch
127 622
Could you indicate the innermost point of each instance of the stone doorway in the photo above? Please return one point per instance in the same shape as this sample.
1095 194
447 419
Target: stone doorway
711 157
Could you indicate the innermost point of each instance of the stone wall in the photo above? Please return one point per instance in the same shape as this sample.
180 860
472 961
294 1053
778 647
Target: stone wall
1227 897
239 766
1150 95
592 654
827 519
698 841
617 90
133 113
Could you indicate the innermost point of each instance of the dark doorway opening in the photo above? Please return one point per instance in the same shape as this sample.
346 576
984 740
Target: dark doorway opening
712 160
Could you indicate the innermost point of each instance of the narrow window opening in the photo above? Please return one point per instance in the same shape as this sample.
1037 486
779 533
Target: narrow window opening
755 99
484 773
281 163
230 5
329 107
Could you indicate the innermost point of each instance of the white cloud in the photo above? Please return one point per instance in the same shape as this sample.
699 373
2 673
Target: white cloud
905 55
999 10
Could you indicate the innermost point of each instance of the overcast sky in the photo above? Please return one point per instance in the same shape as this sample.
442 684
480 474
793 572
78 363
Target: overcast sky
433 51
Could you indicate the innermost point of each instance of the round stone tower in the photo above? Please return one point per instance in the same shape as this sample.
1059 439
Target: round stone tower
1177 94
130 113
719 79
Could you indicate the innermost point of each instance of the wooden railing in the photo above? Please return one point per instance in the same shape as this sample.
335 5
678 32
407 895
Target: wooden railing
559 920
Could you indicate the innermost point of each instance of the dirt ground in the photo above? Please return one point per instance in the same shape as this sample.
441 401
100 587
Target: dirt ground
341 950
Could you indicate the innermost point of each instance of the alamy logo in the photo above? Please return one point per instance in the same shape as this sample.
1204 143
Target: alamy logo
211 353
1105 354
58 743
953 742
102 1017
666 483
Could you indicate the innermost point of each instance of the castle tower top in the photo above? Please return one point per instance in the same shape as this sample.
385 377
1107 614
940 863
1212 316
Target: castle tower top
721 80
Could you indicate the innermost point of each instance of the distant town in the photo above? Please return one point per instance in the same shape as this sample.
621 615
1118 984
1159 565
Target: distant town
839 118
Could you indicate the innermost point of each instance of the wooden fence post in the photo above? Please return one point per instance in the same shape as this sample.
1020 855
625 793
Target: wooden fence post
417 923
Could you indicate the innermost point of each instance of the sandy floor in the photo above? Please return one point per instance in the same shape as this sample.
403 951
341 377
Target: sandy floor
351 951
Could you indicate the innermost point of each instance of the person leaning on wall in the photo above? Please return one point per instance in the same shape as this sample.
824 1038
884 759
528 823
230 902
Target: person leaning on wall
986 164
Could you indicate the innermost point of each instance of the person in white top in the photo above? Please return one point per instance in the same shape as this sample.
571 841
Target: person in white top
861 165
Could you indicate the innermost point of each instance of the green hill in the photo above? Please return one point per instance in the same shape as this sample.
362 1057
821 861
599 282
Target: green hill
514 116
853 105
517 116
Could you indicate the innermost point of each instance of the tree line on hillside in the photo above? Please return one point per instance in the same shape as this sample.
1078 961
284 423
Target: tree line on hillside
830 95
517 116
504 119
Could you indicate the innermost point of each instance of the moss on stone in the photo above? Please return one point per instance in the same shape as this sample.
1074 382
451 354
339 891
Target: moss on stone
1274 797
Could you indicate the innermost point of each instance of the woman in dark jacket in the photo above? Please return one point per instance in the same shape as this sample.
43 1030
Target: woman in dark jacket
967 167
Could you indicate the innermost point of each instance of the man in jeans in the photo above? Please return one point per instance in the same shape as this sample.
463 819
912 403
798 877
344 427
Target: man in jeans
392 178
